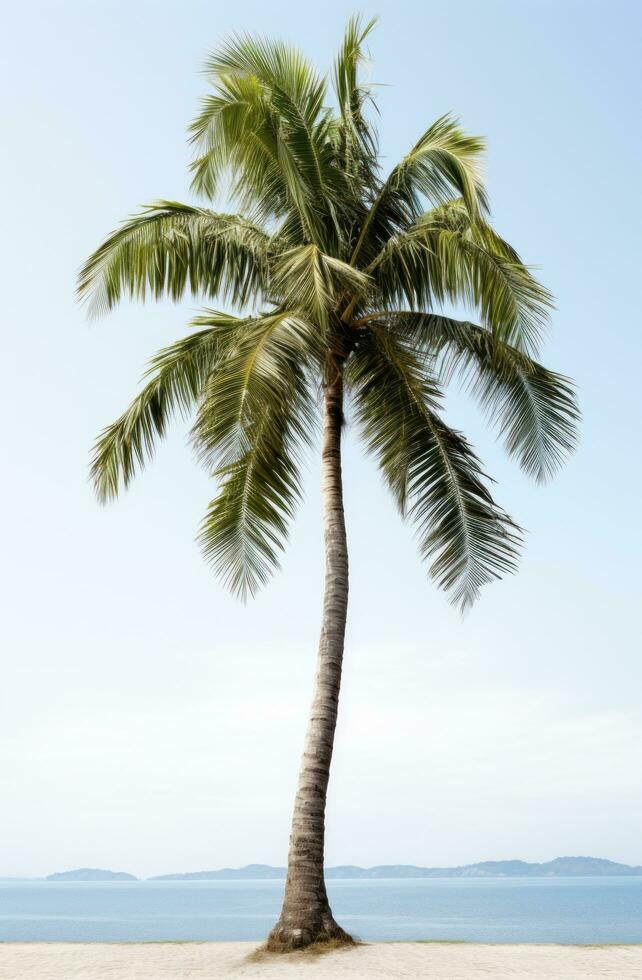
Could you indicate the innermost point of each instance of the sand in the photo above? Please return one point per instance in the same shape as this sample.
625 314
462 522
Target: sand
375 961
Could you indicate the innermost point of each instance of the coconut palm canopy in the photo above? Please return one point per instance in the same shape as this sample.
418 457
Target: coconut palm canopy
337 266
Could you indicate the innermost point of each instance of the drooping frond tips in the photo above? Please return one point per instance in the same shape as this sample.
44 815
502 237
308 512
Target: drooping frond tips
241 543
538 417
254 421
535 410
445 160
127 444
176 377
431 469
469 539
169 249
444 255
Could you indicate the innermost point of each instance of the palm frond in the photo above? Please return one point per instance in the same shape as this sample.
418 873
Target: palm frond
445 256
357 139
267 128
177 375
254 421
536 409
169 248
312 281
443 160
431 469
260 353
442 164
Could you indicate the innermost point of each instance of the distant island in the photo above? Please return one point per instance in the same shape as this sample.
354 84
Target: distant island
249 872
560 867
91 874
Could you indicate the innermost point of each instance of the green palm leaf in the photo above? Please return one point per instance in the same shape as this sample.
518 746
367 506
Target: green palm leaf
246 524
445 256
432 471
267 128
172 247
357 141
443 163
536 409
178 374
256 417
312 281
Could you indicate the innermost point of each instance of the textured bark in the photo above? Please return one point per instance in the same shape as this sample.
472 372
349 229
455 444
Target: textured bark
306 917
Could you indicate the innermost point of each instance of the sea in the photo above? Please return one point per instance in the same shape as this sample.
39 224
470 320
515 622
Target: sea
499 910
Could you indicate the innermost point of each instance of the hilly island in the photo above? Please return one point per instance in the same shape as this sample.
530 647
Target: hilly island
561 867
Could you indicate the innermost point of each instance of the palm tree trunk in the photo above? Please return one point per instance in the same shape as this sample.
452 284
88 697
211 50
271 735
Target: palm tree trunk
306 917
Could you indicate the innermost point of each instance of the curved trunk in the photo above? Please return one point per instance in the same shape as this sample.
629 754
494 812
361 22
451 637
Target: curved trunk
306 917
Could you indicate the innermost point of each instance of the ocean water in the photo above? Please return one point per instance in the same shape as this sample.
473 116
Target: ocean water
509 910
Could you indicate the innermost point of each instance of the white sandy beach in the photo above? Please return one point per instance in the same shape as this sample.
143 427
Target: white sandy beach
375 961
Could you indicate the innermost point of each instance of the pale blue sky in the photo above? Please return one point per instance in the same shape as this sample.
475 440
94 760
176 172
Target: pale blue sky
149 722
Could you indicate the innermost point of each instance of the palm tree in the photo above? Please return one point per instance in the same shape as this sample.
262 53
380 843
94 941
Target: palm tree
335 271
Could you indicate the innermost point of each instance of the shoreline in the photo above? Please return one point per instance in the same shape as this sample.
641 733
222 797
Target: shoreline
256 944
178 959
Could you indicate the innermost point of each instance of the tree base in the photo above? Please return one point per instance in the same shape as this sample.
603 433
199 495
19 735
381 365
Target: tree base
322 935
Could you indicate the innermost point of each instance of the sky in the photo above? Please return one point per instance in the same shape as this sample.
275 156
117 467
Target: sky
151 723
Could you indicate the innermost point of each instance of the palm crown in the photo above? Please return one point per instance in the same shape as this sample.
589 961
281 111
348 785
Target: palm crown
338 271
